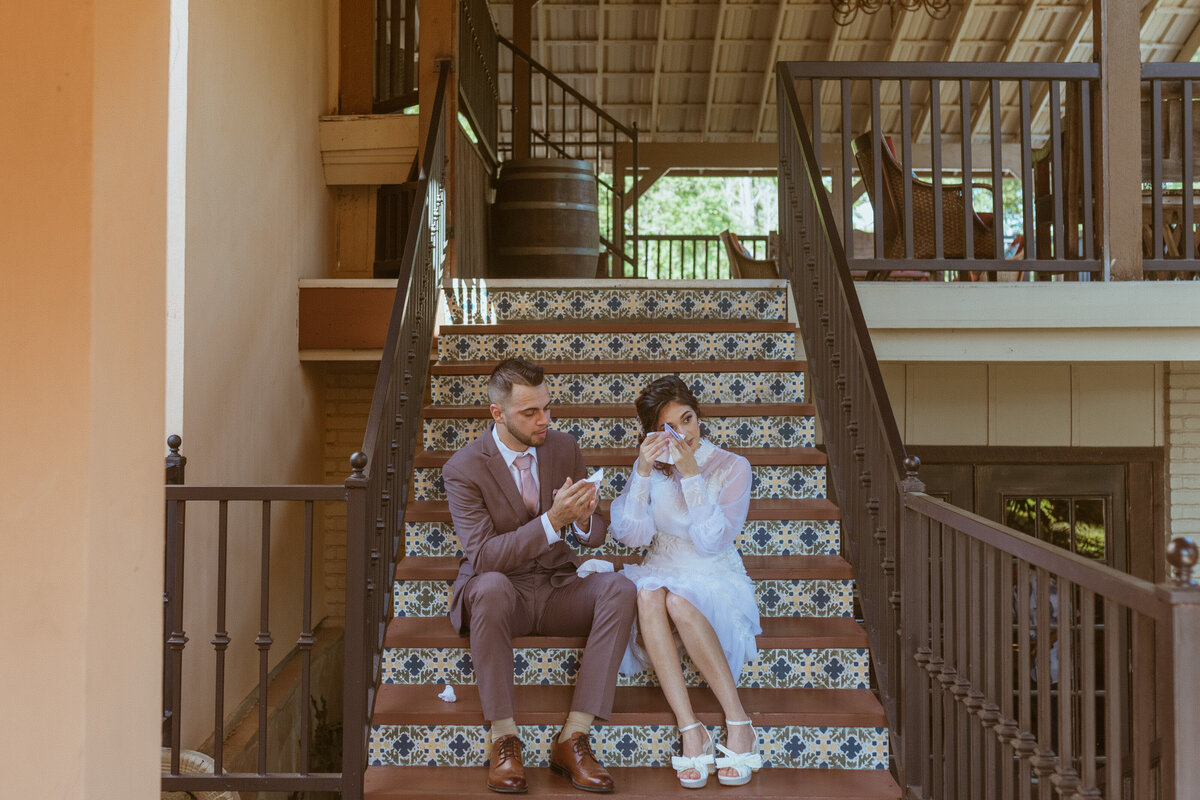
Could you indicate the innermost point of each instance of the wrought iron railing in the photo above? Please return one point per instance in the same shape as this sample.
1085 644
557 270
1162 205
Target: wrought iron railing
681 257
1170 156
1045 153
375 495
563 123
478 74
955 605
395 55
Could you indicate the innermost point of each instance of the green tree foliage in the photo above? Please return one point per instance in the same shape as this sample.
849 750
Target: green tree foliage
707 206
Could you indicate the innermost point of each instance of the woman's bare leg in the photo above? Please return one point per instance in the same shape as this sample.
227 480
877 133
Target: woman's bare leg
655 628
705 649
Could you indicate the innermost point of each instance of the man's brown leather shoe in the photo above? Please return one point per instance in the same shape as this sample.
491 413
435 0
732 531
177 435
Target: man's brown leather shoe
575 759
506 773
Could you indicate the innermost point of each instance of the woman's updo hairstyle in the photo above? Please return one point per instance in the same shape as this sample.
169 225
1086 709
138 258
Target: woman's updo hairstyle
657 395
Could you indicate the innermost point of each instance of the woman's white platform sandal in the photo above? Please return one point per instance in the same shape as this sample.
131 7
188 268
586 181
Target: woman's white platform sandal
704 763
743 763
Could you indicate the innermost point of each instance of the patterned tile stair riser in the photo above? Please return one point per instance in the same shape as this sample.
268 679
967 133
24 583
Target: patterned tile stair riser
616 346
440 433
783 746
770 482
798 597
471 305
775 668
623 387
758 538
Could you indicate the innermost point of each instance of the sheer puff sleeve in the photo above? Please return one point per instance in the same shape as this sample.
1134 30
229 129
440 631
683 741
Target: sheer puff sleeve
718 503
631 522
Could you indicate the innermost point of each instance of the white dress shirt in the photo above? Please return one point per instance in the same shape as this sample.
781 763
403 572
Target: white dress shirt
510 456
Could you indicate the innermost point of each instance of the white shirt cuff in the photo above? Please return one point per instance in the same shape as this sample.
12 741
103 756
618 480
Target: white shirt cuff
551 534
580 533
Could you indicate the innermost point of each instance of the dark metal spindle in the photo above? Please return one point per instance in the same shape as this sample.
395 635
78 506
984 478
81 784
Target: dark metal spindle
935 135
1056 145
263 641
906 143
997 166
1027 182
220 640
964 99
305 642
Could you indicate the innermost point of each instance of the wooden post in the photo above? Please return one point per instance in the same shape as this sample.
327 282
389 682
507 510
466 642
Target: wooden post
1119 179
356 57
521 78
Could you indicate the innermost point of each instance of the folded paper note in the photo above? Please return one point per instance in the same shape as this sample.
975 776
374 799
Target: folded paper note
593 565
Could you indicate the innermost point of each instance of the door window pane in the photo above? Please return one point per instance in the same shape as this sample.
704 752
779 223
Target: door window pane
1077 524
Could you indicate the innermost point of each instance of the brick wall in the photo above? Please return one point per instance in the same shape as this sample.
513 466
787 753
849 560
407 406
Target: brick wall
1183 439
348 388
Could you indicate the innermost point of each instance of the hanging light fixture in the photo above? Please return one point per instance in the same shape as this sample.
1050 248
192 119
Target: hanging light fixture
846 11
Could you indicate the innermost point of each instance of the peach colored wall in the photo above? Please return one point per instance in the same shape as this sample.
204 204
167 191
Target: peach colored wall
257 221
82 241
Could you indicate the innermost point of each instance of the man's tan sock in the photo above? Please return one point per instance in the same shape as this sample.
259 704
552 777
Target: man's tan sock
577 722
503 727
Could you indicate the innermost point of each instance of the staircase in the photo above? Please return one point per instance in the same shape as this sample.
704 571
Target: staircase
822 731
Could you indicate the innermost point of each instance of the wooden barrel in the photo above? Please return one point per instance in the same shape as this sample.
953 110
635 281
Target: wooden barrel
545 222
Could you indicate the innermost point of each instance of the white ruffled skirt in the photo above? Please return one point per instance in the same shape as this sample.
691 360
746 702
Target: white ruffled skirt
716 585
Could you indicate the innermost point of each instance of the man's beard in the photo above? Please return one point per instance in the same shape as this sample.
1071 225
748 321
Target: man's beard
528 440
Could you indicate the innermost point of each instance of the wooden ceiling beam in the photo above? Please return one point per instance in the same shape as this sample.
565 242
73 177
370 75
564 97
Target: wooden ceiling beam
712 68
658 48
1191 47
769 71
951 54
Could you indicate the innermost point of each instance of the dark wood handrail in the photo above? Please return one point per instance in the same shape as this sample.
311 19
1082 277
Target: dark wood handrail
377 491
848 294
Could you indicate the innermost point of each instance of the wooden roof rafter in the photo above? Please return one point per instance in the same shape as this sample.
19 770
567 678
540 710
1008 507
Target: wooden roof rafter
1191 47
658 54
951 54
712 70
769 72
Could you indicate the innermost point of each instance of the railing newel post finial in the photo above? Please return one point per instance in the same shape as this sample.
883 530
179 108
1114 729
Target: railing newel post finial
912 483
1182 554
358 463
175 462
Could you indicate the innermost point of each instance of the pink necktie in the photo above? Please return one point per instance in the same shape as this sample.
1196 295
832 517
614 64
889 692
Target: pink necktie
529 492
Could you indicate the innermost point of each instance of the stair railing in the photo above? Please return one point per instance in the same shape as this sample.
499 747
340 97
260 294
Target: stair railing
377 492
567 124
1006 666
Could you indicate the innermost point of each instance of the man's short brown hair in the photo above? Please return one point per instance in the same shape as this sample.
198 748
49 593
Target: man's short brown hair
509 373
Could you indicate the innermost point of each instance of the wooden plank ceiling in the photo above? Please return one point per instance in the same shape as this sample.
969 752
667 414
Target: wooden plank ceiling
689 71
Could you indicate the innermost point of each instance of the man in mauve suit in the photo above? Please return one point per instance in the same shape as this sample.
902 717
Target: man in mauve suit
512 492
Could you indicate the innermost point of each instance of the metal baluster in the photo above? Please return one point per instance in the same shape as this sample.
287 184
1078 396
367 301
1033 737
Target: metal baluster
220 640
263 641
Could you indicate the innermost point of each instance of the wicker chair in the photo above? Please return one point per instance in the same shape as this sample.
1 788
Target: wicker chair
741 265
953 204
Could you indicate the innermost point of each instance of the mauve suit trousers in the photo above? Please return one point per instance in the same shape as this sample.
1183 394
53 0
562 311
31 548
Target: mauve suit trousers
512 582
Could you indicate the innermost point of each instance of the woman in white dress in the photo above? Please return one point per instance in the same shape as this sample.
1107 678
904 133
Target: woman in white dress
689 513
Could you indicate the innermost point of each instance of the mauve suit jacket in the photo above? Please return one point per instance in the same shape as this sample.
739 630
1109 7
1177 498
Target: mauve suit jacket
495 529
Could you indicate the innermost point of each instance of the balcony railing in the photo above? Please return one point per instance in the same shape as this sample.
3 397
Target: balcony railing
982 170
1006 668
677 257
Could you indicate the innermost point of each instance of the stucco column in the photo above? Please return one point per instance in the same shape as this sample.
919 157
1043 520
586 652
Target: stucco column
83 240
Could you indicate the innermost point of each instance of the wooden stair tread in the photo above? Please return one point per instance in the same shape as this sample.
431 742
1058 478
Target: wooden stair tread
624 326
808 508
635 783
627 365
625 410
818 567
624 456
632 705
793 633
